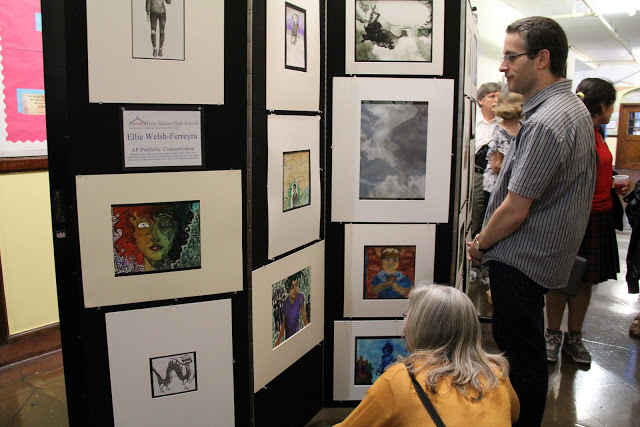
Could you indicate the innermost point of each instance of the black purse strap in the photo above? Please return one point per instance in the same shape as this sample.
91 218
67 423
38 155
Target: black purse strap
426 402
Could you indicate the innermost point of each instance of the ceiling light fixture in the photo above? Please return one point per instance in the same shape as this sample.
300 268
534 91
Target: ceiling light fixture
613 3
613 7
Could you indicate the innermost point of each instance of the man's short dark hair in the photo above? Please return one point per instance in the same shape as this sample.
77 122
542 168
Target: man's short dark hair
540 33
488 88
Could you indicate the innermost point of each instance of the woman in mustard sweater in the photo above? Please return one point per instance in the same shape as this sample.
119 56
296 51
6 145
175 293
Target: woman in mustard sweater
466 385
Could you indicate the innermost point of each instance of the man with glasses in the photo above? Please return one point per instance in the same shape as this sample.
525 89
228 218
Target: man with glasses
538 211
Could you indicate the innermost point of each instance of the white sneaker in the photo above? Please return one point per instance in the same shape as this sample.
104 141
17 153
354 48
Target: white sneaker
554 340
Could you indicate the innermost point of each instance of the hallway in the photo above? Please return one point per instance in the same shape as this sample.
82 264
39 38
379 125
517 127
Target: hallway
608 392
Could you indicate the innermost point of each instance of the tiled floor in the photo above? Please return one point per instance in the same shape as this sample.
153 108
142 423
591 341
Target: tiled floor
607 393
32 393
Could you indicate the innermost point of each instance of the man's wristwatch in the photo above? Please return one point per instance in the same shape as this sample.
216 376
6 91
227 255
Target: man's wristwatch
476 244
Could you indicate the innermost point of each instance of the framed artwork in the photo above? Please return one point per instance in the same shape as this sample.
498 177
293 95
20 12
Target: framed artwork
470 200
472 156
167 241
402 149
157 30
398 133
161 375
155 51
466 268
474 110
293 182
388 266
394 37
295 37
374 355
288 311
296 179
156 237
462 243
382 264
361 352
291 303
471 54
293 55
173 374
459 279
465 158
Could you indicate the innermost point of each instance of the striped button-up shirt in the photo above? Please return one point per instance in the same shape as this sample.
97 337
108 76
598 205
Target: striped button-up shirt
552 161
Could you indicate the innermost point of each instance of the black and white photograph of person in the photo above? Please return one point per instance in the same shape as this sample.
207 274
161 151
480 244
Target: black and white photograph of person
295 38
393 150
157 29
393 30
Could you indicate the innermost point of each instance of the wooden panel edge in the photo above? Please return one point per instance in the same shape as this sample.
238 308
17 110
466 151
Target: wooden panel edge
23 164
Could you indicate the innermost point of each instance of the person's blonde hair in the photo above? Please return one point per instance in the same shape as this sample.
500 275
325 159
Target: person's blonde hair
509 106
443 335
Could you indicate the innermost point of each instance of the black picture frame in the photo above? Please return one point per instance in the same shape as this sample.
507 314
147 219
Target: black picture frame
302 11
153 376
284 155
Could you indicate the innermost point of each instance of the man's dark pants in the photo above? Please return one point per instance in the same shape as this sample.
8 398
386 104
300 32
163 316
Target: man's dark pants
518 329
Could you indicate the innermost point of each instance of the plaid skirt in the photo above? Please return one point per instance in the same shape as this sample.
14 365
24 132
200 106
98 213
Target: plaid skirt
600 248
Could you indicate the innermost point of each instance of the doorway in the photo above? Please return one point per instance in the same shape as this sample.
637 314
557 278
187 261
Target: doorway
628 148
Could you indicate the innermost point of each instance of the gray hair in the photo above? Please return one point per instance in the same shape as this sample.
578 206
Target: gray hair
443 333
487 88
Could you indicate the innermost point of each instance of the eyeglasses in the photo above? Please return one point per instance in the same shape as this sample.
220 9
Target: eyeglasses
508 58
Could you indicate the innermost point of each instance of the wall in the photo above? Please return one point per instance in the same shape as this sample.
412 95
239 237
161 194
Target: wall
493 18
629 96
26 247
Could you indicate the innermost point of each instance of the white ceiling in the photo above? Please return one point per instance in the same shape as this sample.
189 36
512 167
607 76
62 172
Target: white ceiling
603 49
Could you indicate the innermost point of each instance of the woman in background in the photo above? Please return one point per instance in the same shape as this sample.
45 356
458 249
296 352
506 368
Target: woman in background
464 383
599 244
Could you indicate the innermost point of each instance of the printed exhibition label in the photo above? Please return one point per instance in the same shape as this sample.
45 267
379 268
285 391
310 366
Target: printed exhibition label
153 138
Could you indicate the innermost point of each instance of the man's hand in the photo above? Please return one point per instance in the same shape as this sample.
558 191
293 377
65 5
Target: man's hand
473 254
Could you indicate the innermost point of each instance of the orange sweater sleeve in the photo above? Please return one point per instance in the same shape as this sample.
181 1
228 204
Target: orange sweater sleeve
515 402
377 407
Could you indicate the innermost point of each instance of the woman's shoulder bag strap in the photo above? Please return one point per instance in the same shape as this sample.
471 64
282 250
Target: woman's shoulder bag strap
426 402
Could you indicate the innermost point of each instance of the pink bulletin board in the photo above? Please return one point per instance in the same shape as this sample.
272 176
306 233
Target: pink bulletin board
22 110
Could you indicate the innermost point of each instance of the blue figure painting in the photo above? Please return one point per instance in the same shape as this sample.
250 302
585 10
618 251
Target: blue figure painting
374 355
